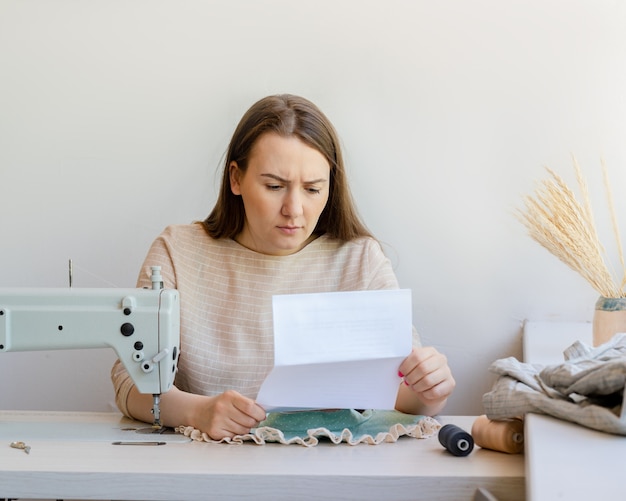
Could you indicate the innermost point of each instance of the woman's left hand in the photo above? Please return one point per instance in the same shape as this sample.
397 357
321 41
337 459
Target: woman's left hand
427 374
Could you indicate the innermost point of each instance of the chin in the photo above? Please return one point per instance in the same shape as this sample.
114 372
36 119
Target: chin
289 247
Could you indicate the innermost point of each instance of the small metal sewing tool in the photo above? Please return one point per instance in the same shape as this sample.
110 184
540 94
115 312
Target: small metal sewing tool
21 445
138 443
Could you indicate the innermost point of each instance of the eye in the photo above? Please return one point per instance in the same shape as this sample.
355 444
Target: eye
273 187
314 191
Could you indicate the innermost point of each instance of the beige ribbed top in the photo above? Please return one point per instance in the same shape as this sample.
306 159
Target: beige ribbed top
226 301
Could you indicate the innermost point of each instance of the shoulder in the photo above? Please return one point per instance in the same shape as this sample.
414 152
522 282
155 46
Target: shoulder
363 252
357 247
182 250
190 242
184 231
356 264
190 236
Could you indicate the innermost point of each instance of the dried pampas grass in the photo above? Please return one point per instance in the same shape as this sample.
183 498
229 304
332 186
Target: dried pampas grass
565 227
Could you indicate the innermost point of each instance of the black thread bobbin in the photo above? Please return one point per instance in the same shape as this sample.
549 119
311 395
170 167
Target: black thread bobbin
456 440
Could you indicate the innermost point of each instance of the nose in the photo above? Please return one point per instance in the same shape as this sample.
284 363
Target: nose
292 204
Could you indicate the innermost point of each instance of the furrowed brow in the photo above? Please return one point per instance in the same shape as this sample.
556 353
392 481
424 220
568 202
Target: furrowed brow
286 181
275 178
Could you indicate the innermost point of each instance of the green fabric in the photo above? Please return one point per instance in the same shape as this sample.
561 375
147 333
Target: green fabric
368 422
343 425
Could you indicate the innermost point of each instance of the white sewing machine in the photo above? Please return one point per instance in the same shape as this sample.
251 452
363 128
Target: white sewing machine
141 325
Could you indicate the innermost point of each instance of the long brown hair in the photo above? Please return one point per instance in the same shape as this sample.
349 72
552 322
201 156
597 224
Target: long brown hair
287 115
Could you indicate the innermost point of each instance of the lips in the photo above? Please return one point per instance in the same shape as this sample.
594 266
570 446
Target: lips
289 230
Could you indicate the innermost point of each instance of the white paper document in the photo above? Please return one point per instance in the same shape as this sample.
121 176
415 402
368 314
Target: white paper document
338 350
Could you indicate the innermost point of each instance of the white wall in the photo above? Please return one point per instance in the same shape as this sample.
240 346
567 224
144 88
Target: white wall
114 116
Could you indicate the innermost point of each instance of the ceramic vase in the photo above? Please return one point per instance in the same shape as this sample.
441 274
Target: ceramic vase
609 318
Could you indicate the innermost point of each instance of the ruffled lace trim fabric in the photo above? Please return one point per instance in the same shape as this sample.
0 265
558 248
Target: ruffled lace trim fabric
346 425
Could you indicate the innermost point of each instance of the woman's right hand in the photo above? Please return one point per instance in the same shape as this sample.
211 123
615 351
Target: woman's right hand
221 416
227 415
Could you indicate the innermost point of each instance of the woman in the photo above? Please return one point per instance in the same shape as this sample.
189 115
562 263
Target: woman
284 223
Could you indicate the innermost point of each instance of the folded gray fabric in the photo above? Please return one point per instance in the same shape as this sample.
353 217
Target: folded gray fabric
586 389
590 371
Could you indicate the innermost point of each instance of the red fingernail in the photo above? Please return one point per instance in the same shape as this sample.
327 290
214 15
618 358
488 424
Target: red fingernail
400 374
406 382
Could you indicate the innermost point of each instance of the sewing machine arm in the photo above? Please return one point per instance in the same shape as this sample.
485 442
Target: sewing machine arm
141 325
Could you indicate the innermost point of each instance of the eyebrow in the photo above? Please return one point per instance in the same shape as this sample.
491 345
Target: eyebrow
286 181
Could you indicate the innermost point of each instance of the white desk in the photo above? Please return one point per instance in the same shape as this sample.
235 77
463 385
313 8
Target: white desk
564 460
90 467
